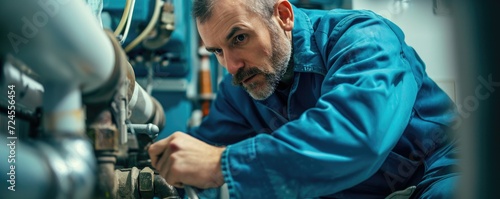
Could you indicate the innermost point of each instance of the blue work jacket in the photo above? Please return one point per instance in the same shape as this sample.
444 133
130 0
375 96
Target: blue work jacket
361 119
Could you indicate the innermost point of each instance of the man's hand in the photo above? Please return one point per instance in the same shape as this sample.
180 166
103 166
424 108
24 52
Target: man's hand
182 159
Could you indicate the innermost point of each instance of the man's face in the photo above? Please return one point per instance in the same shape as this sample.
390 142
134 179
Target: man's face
255 53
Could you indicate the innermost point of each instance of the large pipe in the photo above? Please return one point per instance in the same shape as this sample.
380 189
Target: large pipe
65 163
70 60
59 39
23 82
63 155
144 108
52 169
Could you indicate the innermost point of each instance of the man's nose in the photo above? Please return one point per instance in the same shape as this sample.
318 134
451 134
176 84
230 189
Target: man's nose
233 62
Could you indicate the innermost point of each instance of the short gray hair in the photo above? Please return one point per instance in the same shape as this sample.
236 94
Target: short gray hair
202 9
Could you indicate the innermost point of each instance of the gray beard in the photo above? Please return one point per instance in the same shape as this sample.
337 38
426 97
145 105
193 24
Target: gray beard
281 54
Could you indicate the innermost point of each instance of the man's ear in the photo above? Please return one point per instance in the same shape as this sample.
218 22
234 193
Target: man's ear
283 11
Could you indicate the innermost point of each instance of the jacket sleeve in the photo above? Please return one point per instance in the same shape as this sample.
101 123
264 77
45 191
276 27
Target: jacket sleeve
366 103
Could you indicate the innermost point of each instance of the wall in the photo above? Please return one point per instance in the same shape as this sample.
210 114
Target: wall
429 33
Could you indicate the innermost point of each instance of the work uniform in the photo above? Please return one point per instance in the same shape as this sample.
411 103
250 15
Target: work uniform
361 118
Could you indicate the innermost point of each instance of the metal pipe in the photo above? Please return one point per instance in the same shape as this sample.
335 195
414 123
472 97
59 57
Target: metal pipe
22 168
105 136
164 29
64 157
65 149
64 169
163 189
148 28
70 60
63 113
148 129
145 108
74 61
30 90
73 163
107 184
75 49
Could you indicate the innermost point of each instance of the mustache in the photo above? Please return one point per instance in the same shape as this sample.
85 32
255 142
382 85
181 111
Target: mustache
244 73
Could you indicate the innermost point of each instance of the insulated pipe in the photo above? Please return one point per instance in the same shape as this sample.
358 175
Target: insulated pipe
64 158
82 56
65 151
60 168
59 39
148 28
23 179
74 61
63 112
145 108
70 60
32 90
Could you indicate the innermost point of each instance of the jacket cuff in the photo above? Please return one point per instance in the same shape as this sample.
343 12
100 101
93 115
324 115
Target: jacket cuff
243 172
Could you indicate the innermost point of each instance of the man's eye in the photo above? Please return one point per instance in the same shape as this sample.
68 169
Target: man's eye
217 51
239 39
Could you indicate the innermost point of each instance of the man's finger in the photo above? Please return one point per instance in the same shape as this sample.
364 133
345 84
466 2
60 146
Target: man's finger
153 150
162 159
164 173
157 149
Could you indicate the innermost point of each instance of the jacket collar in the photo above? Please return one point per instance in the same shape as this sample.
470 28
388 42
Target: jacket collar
305 50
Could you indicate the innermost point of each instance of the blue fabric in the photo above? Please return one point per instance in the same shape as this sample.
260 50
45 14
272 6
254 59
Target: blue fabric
363 119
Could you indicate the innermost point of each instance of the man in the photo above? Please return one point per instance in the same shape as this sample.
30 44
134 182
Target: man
328 104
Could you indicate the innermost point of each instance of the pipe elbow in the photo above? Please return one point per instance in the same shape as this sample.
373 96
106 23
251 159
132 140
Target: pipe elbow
73 167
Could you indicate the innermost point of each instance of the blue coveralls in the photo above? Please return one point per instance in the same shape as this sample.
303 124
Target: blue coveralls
361 120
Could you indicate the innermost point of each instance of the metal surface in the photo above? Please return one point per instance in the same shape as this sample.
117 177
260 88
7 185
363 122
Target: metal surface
146 183
104 133
163 30
58 168
171 84
164 190
17 74
148 129
134 183
83 80
75 49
